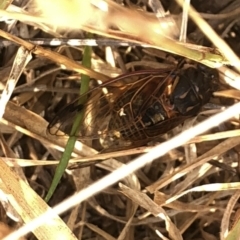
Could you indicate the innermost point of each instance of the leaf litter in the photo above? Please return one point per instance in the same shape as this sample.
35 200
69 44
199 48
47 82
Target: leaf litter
179 196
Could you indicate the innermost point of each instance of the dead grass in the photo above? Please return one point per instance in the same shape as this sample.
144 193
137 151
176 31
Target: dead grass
178 196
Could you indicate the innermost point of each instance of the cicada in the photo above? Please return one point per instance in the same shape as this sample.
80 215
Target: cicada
142 106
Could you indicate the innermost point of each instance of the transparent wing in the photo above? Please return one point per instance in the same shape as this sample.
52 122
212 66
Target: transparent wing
115 110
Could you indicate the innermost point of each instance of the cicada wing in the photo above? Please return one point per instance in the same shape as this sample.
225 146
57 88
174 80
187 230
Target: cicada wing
102 111
92 109
151 134
164 126
61 122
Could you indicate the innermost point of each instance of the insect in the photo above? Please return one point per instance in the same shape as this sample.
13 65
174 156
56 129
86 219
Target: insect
144 105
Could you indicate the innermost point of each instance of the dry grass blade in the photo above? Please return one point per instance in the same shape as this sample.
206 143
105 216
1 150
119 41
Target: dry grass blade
144 201
231 93
33 125
230 77
212 35
115 15
54 56
211 154
21 60
99 231
209 187
229 230
178 196
19 171
29 205
161 199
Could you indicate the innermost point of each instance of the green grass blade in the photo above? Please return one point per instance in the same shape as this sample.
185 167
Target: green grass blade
75 128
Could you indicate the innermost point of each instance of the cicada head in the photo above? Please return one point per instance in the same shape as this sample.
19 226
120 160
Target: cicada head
193 89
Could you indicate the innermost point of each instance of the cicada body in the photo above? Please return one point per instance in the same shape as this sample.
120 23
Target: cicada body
148 104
